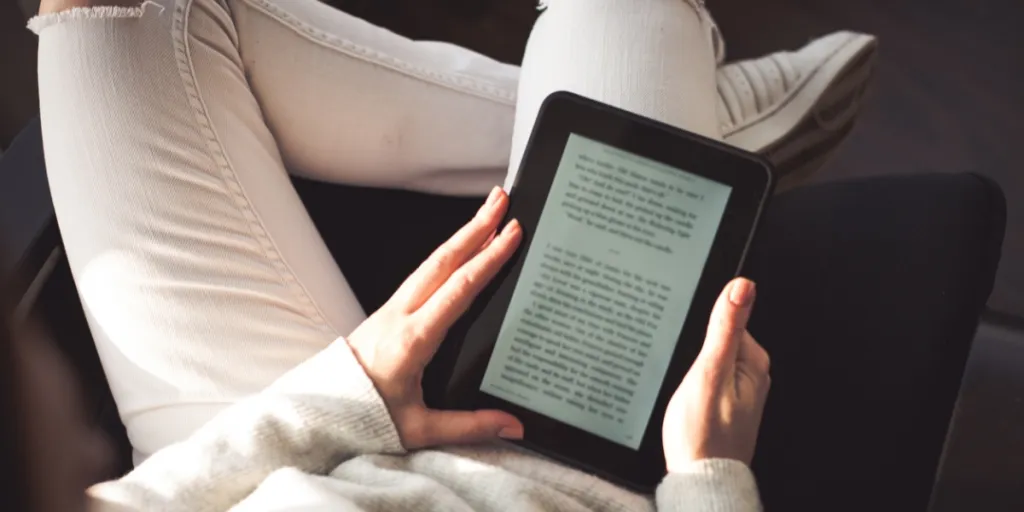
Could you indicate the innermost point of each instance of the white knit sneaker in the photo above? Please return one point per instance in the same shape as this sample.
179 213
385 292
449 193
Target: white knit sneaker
796 107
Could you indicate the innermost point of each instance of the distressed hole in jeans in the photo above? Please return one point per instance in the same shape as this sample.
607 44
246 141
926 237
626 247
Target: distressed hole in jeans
696 4
54 11
55 6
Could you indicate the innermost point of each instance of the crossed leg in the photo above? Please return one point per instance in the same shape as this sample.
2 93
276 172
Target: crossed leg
171 126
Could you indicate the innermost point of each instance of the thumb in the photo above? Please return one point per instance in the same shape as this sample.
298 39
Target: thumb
467 427
728 323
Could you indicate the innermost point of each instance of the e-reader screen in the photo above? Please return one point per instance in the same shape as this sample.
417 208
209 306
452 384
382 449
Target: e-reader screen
605 288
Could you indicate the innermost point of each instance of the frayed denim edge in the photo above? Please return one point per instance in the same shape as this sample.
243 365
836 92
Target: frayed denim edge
99 12
697 4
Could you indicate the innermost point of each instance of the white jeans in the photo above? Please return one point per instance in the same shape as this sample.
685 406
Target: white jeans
170 131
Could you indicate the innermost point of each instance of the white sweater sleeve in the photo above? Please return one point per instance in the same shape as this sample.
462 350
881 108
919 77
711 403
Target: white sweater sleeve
711 485
313 418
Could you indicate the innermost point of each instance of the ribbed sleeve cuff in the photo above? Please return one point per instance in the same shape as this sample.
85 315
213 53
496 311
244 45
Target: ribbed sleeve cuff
711 485
336 391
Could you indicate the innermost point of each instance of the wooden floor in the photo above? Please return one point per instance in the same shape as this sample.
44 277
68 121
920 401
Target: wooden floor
948 96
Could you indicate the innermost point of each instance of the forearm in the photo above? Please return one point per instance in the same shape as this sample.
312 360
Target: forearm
714 485
316 416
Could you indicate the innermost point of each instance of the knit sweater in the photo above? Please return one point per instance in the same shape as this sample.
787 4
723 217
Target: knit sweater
321 438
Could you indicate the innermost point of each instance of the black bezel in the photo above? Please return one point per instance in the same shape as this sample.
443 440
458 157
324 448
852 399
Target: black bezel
464 356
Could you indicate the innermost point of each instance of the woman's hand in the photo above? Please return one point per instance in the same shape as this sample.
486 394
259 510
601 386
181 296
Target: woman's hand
716 412
395 344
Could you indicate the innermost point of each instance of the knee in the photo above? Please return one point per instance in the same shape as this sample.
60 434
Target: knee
55 6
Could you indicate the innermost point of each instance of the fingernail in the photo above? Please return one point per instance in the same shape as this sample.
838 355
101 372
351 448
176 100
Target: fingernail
510 228
493 197
514 432
742 292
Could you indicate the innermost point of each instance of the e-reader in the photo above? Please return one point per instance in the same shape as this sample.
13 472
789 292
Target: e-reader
631 229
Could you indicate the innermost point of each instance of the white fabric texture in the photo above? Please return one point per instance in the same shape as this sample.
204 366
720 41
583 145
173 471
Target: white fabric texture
320 438
651 57
169 132
751 90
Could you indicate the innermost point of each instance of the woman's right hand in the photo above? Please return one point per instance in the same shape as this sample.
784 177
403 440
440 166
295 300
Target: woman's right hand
395 344
716 411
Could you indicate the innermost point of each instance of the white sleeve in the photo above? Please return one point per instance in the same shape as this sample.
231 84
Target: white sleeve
711 485
313 418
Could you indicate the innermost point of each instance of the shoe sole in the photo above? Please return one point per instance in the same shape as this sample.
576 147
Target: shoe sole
816 118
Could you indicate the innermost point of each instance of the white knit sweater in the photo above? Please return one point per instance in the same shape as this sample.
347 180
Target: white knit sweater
321 438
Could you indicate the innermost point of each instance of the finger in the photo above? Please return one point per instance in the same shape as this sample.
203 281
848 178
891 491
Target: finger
727 325
752 364
755 358
754 355
467 427
486 244
455 295
433 272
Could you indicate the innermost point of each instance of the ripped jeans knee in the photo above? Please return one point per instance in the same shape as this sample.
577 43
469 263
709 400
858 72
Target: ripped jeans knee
714 35
56 6
58 12
697 4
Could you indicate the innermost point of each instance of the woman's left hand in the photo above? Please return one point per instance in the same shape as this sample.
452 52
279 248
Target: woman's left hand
395 344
